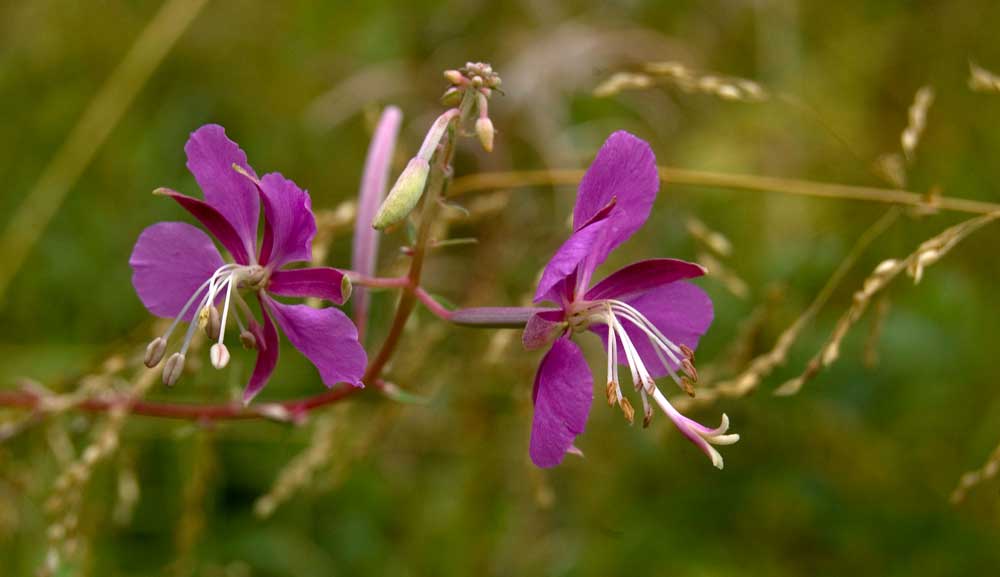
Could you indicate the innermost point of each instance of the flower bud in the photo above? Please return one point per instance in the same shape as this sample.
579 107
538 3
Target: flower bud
172 369
452 97
219 355
404 194
484 130
154 352
454 76
248 341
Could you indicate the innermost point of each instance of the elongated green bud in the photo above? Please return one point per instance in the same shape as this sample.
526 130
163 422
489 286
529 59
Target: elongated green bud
406 193
404 196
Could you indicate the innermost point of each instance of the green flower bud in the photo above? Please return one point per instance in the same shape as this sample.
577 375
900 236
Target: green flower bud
484 130
404 195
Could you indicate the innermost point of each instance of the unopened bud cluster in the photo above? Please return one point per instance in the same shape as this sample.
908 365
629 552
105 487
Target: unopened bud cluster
467 98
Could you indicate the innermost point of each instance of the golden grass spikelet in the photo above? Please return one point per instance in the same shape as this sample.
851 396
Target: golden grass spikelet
622 81
63 504
929 252
982 80
917 116
713 240
764 364
971 479
688 80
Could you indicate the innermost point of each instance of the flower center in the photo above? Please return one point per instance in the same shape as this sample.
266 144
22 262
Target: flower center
678 359
225 283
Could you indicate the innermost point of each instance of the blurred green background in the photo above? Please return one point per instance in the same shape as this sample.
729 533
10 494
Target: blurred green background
852 476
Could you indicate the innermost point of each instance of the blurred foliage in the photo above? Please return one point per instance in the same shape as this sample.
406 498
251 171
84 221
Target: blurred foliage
852 476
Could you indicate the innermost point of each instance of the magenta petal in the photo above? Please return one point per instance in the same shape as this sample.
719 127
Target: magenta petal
564 390
210 158
374 183
543 328
625 172
326 337
289 224
680 310
214 221
577 250
267 355
323 283
643 276
170 261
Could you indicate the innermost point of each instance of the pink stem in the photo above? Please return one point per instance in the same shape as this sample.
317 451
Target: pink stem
432 305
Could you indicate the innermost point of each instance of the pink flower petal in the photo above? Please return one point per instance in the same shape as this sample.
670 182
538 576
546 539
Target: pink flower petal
289 224
643 276
323 283
564 391
625 172
169 262
267 355
326 337
543 328
214 221
210 158
576 251
680 310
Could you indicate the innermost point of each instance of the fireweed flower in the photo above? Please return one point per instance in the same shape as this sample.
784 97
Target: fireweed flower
179 273
648 318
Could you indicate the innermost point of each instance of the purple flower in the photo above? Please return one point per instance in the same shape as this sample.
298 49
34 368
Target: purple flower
648 318
178 272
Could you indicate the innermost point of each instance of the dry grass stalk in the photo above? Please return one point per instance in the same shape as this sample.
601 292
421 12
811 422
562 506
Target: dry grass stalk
302 469
738 353
737 182
729 279
192 521
684 78
928 253
971 479
871 356
711 239
763 365
63 505
982 80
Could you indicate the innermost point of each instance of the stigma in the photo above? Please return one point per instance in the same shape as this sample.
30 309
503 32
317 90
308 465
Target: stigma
221 289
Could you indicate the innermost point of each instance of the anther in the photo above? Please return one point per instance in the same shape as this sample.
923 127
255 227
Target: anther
612 392
172 369
213 322
154 352
688 367
688 351
628 410
219 355
688 386
247 339
647 417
